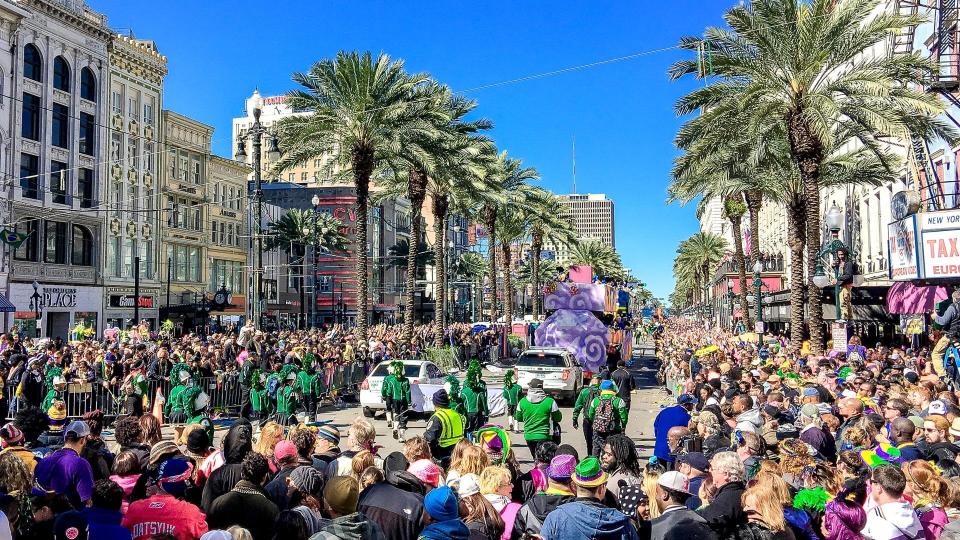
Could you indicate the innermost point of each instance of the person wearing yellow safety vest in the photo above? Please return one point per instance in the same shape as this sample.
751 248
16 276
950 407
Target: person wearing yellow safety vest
444 429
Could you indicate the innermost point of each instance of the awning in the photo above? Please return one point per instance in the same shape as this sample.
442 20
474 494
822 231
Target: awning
908 299
6 306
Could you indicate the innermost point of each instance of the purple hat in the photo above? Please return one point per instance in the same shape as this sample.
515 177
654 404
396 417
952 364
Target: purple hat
561 467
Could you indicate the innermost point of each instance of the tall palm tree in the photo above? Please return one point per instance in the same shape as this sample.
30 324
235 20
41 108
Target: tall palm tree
548 222
472 266
808 67
399 254
508 178
593 253
298 229
701 253
361 114
513 226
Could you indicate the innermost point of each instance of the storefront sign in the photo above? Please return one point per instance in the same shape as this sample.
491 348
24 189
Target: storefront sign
903 253
941 253
939 221
126 301
59 297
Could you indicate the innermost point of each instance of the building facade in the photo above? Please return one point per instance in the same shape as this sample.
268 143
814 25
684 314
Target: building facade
592 215
229 240
137 70
54 149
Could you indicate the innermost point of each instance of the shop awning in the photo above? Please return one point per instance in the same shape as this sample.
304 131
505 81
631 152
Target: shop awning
6 306
905 298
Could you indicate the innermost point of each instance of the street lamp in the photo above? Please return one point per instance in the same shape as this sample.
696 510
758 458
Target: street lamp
255 134
36 304
828 255
730 301
316 248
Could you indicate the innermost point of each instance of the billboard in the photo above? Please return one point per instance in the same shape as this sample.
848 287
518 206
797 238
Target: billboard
902 249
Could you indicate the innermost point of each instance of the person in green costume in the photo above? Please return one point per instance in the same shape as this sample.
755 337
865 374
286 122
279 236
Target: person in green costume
511 394
259 398
306 379
539 414
174 409
287 400
452 385
196 403
58 387
473 395
609 415
584 399
397 397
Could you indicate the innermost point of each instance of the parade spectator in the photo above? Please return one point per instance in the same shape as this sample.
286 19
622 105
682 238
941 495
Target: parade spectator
496 486
676 520
695 466
725 514
95 450
560 490
165 511
619 460
360 436
285 457
12 440
236 444
586 516
396 504
104 514
891 518
64 471
340 499
676 416
246 504
129 437
327 447
306 496
929 493
442 516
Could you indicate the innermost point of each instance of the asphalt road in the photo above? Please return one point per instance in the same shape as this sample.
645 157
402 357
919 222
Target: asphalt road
648 399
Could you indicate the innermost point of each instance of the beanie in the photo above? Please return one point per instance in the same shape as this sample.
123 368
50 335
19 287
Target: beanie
329 433
441 504
441 399
307 479
341 494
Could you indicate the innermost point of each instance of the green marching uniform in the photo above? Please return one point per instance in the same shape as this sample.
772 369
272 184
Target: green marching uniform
609 415
288 399
511 394
584 399
196 403
452 386
444 429
473 396
306 381
175 409
259 397
396 395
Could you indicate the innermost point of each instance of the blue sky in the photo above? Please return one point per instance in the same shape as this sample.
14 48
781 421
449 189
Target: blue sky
621 113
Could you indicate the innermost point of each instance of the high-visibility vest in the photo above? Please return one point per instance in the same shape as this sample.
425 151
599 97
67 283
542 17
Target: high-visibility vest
451 427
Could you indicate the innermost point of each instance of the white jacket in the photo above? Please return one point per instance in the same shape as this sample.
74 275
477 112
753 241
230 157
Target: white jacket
893 521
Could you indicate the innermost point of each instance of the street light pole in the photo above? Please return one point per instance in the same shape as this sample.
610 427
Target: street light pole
757 299
834 222
255 134
316 248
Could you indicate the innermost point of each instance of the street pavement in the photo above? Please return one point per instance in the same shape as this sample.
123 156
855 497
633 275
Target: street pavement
647 400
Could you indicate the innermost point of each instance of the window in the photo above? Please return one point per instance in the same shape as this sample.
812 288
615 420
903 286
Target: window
59 182
223 234
129 248
85 187
113 257
31 117
230 234
133 107
197 224
28 249
148 156
148 114
55 242
291 177
216 193
32 63
135 200
303 177
316 164
184 168
146 258
82 246
29 182
194 268
61 74
196 172
87 134
180 263
117 102
60 129
88 85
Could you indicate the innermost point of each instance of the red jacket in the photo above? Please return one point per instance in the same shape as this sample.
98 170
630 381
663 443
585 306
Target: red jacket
164 513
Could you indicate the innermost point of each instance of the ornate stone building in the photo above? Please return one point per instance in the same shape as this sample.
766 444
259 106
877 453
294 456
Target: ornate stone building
137 71
229 238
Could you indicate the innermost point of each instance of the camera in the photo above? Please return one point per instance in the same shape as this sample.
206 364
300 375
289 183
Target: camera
687 444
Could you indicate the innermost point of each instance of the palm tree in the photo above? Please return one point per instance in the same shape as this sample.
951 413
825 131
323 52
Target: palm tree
507 178
807 66
361 113
513 226
298 229
472 266
700 254
548 222
399 254
593 253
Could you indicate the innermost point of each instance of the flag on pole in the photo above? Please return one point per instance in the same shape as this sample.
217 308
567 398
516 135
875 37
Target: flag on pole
13 238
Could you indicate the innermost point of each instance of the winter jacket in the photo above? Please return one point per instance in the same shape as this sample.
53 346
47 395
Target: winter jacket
163 513
276 489
893 521
445 530
100 459
587 518
245 505
105 524
236 443
725 513
680 523
750 421
396 510
354 526
760 531
531 515
507 510
481 530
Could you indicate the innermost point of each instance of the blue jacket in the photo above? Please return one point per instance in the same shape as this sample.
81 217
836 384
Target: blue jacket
668 418
587 519
105 524
453 529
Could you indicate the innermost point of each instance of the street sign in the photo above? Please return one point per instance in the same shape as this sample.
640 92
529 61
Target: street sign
838 332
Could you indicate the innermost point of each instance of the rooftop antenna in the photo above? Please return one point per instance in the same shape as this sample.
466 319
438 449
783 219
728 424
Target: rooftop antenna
574 164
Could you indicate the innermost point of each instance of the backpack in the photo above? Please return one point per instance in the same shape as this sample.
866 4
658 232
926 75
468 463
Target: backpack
604 419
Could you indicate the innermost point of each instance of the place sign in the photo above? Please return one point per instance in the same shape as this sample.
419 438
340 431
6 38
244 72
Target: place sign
127 301
59 297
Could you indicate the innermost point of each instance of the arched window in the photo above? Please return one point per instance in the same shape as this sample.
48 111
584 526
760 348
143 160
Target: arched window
32 63
61 74
82 246
88 85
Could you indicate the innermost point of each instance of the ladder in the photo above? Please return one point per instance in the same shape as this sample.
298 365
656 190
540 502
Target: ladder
903 39
921 164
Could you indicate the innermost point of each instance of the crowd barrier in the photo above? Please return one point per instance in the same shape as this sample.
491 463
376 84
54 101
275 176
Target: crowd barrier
226 393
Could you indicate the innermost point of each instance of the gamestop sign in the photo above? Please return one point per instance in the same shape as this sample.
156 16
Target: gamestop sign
940 244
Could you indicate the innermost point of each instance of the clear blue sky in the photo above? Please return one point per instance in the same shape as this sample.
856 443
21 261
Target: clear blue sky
621 113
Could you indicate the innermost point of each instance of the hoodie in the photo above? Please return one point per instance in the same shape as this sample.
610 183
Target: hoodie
893 521
126 483
536 412
588 518
531 515
395 505
237 442
353 526
453 529
751 421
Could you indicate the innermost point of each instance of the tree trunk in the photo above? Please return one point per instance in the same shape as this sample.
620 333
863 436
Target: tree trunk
754 201
807 153
416 192
490 222
536 246
508 292
741 268
362 159
440 207
795 238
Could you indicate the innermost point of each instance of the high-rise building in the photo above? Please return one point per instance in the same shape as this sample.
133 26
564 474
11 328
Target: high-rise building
592 218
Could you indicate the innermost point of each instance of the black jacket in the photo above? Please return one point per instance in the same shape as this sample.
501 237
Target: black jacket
220 482
624 381
276 489
100 459
531 515
393 506
725 513
247 506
